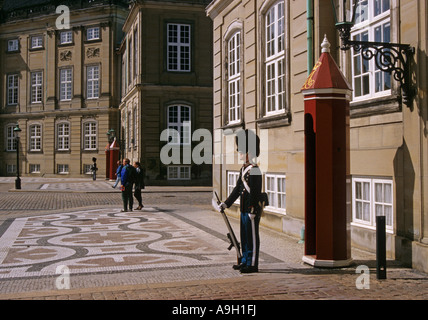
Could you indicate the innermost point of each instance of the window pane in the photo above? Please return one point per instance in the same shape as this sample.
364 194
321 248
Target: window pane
366 191
359 210
387 193
366 85
366 211
378 192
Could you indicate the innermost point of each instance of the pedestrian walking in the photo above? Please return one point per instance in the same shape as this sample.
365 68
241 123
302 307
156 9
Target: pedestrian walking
118 170
139 184
127 178
248 188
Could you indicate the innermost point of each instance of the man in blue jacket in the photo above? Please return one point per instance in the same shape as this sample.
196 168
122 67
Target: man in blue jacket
127 177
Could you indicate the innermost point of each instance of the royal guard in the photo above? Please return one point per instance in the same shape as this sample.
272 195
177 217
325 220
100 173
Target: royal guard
248 189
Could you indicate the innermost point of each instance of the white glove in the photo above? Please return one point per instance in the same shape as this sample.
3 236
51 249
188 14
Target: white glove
222 206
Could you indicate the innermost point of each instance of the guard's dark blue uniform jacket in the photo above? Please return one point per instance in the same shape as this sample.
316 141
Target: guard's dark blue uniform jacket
249 202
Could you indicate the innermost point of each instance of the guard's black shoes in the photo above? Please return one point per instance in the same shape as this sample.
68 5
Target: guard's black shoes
249 269
238 266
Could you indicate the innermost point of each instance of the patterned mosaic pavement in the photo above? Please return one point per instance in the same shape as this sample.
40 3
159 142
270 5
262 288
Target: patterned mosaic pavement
105 240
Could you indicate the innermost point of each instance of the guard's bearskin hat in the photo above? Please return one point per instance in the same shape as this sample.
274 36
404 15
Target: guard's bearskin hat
248 142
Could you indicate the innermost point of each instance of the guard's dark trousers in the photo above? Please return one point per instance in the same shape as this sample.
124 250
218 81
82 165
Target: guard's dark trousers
250 240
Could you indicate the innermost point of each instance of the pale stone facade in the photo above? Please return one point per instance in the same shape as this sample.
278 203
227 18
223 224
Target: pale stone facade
60 84
274 45
160 91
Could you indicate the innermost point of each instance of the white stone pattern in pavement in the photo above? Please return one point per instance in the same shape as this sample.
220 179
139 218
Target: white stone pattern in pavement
105 240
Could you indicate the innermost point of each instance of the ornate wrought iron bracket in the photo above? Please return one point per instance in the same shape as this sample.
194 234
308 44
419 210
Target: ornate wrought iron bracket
394 58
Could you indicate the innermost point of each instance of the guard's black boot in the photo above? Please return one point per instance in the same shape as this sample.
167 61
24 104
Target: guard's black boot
249 269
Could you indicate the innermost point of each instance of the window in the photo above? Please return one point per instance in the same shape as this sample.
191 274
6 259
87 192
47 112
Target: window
34 168
372 197
66 81
134 126
63 136
232 178
87 169
10 138
178 47
179 124
130 61
372 24
275 189
11 168
12 45
36 86
36 137
129 122
62 168
179 173
90 136
274 60
93 33
36 42
135 53
12 89
66 37
234 78
93 82
124 77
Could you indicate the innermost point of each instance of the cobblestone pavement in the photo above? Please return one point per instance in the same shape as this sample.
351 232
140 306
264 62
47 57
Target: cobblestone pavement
69 240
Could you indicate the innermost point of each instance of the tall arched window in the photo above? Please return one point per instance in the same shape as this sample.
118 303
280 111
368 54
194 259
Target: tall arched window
372 24
234 78
35 137
274 58
63 136
90 135
179 121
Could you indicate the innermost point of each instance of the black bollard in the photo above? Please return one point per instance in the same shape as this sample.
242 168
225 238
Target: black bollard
380 247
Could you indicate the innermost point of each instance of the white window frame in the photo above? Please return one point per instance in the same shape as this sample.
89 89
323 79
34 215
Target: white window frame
10 137
179 173
366 24
136 53
62 169
87 169
36 42
277 196
275 59
11 168
35 132
36 86
12 89
63 136
130 60
234 78
92 33
65 84
232 179
34 168
93 82
179 37
134 126
90 135
66 37
12 45
179 122
369 202
130 131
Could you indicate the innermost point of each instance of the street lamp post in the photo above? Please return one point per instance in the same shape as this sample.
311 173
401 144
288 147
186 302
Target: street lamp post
17 130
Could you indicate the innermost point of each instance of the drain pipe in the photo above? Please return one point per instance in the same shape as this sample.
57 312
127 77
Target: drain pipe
310 33
310 62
